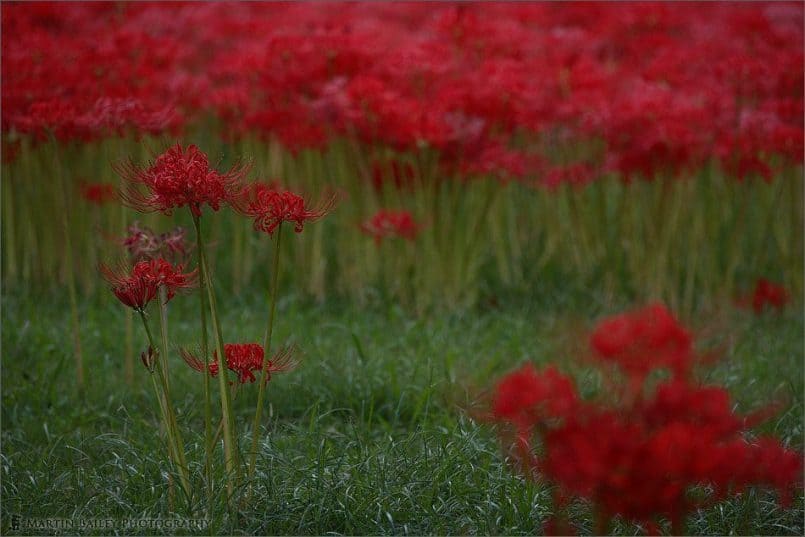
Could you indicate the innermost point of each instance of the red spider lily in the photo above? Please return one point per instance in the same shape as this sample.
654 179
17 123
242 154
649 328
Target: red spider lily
387 223
142 243
245 359
768 294
138 287
98 193
270 207
639 461
179 178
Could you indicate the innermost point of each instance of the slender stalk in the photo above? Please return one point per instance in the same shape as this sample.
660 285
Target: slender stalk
168 416
69 269
230 452
9 230
129 357
163 329
205 351
177 436
171 448
267 352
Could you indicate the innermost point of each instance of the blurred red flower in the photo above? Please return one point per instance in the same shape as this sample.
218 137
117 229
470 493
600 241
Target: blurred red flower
142 243
388 223
98 193
768 294
638 459
643 340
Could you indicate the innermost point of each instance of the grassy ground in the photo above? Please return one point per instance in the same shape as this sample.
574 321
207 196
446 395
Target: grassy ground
369 436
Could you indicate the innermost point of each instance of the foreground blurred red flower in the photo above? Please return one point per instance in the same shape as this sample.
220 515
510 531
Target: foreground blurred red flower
527 395
179 178
270 207
136 288
768 294
638 458
643 340
245 359
388 223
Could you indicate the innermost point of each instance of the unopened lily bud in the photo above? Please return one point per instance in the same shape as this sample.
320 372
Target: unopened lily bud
148 357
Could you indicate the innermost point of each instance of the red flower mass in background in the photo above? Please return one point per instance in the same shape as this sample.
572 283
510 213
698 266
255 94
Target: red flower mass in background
665 87
98 193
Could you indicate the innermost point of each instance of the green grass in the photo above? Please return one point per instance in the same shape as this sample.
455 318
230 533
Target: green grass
369 436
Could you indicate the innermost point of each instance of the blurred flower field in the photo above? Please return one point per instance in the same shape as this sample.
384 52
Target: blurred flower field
474 268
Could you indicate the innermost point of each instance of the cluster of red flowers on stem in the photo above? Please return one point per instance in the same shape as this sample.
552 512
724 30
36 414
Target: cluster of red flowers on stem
245 359
270 206
136 288
640 453
179 178
387 223
184 178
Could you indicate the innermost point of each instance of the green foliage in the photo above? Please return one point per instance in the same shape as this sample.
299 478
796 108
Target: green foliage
688 241
373 434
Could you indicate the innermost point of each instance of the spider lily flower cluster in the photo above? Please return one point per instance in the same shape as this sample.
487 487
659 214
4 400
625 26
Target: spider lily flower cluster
269 207
182 177
244 359
638 453
179 178
137 288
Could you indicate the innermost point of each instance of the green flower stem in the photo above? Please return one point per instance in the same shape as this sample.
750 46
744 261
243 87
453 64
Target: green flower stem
9 229
171 447
230 451
163 375
267 353
205 351
68 267
129 358
174 440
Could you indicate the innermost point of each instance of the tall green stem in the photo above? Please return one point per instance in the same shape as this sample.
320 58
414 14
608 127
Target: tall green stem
69 269
267 350
205 351
129 358
168 416
230 451
177 435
